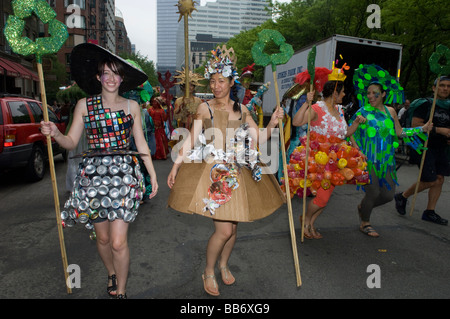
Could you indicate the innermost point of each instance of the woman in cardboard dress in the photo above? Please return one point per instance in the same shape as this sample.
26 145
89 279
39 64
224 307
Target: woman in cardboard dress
229 185
109 185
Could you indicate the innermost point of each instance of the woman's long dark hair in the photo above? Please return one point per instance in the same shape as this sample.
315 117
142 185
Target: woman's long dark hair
331 86
234 97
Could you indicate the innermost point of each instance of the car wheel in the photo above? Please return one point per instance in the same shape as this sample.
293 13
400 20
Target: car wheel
36 165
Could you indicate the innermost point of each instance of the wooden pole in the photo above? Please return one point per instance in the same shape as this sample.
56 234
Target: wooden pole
306 165
425 149
187 86
53 176
288 193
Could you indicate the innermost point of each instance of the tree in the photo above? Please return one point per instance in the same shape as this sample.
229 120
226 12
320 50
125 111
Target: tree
147 66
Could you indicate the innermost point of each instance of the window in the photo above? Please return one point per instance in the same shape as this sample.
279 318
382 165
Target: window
37 112
80 3
19 112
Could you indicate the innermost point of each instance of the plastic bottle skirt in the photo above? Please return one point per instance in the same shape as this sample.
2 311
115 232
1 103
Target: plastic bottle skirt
105 188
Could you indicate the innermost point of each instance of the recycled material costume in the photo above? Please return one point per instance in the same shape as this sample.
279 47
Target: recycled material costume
332 160
240 197
377 138
109 184
224 179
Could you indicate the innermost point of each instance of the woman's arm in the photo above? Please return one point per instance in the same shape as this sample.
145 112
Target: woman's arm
196 129
142 146
301 117
69 141
352 128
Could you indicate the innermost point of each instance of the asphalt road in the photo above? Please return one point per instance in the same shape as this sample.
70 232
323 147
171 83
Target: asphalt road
410 259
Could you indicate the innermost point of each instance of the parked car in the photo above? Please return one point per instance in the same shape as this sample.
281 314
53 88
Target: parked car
21 142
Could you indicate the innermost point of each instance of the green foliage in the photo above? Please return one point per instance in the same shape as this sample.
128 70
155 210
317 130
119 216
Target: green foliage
147 66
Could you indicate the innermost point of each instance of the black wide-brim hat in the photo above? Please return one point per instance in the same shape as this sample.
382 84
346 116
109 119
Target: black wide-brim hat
84 62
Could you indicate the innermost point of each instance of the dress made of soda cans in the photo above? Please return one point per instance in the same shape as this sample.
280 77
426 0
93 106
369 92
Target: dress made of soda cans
224 189
109 184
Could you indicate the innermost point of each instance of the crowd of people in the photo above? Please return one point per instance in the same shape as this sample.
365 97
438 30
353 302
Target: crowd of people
121 139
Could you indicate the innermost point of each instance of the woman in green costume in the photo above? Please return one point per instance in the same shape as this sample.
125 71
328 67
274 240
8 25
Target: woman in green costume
377 138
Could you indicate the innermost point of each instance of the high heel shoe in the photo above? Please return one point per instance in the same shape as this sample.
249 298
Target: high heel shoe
113 286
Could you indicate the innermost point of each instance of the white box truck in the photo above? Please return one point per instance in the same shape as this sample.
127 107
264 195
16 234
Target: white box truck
351 50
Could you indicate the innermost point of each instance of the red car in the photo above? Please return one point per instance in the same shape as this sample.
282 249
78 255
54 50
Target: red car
21 142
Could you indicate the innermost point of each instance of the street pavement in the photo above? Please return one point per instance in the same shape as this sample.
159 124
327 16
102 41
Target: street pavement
409 260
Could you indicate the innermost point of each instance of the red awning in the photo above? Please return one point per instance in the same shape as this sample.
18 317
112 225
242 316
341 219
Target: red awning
30 74
17 70
10 71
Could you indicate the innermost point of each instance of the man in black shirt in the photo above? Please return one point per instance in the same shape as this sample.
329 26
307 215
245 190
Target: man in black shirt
436 164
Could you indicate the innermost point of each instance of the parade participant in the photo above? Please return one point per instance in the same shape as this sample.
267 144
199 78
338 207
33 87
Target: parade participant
377 138
436 164
186 107
298 94
327 119
159 116
246 79
227 190
108 186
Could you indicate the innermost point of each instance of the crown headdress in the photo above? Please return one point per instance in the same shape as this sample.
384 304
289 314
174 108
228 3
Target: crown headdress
338 74
223 61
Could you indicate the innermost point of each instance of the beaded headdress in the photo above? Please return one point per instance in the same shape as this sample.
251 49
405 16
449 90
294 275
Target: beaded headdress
223 61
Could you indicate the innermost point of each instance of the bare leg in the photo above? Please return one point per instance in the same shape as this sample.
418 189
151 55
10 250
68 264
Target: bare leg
104 248
120 253
435 189
220 245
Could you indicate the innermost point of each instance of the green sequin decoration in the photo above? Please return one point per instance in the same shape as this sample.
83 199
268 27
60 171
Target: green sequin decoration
15 27
442 54
264 59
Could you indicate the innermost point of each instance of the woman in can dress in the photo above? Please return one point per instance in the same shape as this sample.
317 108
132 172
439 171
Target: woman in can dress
109 184
222 189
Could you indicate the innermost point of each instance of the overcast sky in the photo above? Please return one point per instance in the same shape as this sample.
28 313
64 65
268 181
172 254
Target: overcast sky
140 21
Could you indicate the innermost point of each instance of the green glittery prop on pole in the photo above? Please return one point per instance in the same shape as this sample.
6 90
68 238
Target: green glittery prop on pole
369 73
14 29
264 59
442 54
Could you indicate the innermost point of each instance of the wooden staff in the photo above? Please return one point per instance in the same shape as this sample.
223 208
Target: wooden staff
425 148
53 176
286 184
187 86
308 136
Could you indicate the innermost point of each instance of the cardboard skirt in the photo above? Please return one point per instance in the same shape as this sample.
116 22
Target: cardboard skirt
251 201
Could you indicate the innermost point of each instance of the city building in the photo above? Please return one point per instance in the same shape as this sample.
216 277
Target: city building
211 24
221 20
167 26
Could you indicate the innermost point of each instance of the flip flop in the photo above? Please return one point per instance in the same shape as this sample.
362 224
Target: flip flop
229 278
369 231
211 292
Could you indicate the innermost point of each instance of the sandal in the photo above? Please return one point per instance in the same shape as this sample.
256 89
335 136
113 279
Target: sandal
369 231
228 279
315 233
122 296
211 292
113 286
